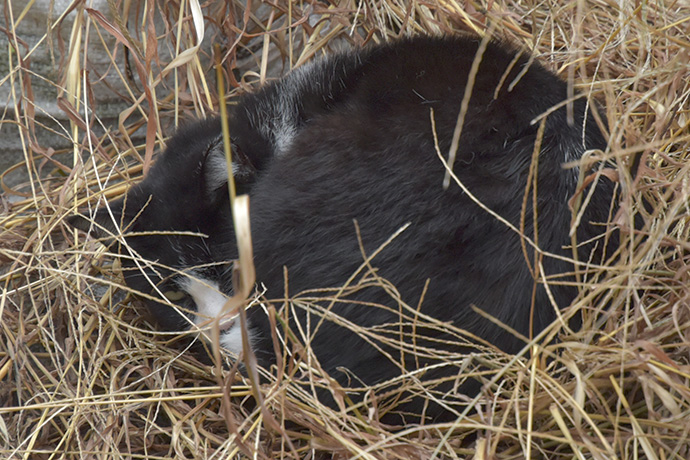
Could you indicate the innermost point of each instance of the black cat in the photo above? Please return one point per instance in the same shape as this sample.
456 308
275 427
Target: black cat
349 137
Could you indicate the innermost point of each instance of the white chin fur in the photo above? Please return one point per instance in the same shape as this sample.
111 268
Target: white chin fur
209 304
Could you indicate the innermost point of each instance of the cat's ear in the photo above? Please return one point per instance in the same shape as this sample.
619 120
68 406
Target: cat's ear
102 225
215 168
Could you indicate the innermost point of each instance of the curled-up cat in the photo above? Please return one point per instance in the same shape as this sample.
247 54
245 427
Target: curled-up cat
356 137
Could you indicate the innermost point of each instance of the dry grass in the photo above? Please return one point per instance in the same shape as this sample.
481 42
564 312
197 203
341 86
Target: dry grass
82 374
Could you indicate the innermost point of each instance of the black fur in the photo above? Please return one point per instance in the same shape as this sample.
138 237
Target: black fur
349 137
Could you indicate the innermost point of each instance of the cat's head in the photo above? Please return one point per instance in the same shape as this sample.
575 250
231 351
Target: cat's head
164 228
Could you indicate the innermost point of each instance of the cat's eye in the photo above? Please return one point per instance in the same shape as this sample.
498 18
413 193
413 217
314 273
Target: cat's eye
174 296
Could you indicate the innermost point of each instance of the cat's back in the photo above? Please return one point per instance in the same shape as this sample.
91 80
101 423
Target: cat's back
494 79
373 157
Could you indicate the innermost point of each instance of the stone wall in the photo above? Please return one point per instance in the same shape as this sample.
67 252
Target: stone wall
40 39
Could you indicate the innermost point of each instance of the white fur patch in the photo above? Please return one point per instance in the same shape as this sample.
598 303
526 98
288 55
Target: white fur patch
277 117
209 305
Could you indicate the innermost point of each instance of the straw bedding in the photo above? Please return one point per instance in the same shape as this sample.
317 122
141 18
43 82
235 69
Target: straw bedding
84 374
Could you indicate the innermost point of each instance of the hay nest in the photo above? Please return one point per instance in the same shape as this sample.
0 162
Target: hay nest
83 374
